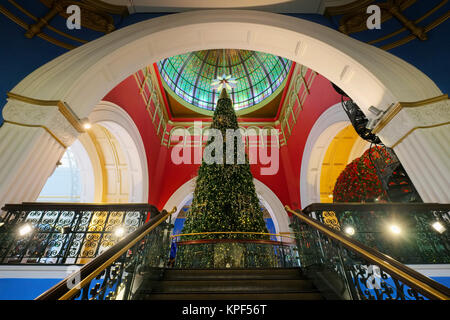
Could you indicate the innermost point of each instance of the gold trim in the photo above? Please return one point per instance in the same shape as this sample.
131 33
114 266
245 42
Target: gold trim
38 126
400 105
232 232
91 276
411 37
13 18
101 159
386 265
419 127
62 107
27 13
41 35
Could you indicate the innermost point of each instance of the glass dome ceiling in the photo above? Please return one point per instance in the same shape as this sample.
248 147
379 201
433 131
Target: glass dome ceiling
258 76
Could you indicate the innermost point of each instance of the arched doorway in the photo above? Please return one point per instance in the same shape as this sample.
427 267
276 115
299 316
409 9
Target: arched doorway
332 123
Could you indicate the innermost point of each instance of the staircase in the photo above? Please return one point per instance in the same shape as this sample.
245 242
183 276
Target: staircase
229 284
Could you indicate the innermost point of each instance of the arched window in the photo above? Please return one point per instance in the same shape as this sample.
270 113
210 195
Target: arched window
64 185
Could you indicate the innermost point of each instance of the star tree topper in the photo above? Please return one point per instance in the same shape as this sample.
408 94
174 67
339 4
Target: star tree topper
224 81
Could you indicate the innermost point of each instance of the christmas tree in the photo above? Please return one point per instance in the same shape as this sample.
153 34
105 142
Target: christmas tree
224 199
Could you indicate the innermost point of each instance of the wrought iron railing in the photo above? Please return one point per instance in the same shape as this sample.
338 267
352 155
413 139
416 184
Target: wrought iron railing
348 269
412 233
220 253
117 273
60 233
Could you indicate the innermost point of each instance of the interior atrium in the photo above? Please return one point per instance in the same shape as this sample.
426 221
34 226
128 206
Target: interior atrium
240 150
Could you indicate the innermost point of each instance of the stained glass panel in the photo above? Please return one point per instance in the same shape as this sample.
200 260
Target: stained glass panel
258 75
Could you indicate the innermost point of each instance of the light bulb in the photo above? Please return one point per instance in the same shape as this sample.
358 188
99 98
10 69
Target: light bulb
395 229
119 232
350 230
86 123
438 227
25 229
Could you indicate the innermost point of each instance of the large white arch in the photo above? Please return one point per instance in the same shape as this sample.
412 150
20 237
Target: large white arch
276 210
371 76
39 125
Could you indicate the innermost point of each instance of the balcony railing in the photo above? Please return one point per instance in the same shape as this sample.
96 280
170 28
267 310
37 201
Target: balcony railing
412 233
119 271
59 233
336 261
210 250
350 270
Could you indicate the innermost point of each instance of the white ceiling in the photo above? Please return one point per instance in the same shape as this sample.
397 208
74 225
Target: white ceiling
278 6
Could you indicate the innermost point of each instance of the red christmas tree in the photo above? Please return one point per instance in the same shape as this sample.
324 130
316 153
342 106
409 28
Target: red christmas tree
359 181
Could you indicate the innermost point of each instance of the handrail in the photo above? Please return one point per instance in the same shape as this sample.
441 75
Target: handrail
89 271
416 280
397 206
71 206
230 232
206 241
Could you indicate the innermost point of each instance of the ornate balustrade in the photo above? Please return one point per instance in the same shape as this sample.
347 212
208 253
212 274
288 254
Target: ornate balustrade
412 233
354 271
59 233
117 272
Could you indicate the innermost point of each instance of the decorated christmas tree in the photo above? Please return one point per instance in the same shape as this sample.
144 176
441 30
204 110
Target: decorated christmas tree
359 181
224 199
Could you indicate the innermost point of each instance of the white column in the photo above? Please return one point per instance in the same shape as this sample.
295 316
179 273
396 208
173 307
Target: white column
419 133
33 139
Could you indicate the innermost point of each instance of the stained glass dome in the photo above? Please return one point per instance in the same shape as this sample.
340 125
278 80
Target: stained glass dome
258 75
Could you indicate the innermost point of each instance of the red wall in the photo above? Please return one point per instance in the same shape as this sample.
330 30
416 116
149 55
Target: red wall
165 177
322 96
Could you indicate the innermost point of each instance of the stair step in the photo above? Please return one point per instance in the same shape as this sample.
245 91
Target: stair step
235 286
227 284
217 274
235 296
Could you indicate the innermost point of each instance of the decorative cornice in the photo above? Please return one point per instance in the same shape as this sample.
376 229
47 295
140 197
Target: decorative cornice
107 7
62 107
403 119
400 105
38 126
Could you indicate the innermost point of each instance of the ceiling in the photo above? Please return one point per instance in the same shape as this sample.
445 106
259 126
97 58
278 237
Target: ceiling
280 6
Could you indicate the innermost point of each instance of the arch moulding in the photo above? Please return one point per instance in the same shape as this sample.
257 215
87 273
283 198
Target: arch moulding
34 137
83 76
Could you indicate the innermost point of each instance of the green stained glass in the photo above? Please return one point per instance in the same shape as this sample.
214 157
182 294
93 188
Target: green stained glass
258 75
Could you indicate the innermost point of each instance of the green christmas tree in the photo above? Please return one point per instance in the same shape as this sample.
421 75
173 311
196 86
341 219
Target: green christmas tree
224 197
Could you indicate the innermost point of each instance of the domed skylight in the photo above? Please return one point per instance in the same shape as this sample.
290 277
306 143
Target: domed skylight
258 76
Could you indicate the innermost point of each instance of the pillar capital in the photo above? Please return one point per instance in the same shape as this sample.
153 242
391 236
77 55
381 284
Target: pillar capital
53 116
404 118
419 133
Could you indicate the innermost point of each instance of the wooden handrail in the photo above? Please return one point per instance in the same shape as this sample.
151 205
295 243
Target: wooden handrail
412 278
89 271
